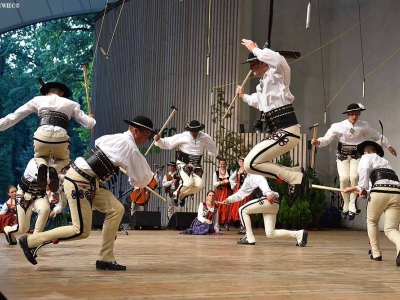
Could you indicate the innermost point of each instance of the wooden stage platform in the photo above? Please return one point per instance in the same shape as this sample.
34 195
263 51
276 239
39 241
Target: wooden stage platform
163 264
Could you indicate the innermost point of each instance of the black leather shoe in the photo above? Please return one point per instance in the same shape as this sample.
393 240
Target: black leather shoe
109 265
242 231
175 198
244 241
226 226
294 192
398 259
54 181
379 258
344 214
29 252
182 202
42 177
351 216
9 239
303 239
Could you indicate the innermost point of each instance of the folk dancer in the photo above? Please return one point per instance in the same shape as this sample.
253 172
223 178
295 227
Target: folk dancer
8 213
206 221
170 183
268 206
84 191
274 99
51 137
384 196
222 188
29 197
350 133
192 144
236 180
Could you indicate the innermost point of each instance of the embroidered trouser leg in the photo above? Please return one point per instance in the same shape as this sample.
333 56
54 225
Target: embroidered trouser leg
347 170
276 144
78 192
191 183
390 204
41 206
51 143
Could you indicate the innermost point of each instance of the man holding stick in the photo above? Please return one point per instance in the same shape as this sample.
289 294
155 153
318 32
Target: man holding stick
384 196
54 110
84 190
192 144
274 99
350 133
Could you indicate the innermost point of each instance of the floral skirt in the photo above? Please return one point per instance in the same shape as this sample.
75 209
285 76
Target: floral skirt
58 221
199 228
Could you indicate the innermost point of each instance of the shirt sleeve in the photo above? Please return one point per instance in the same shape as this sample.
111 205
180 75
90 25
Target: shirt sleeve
376 136
83 118
233 179
4 209
58 207
364 171
252 100
169 142
210 145
329 136
245 190
18 115
215 180
200 213
165 182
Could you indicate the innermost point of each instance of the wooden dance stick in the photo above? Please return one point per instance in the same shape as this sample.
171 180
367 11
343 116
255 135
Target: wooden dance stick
234 99
146 187
162 128
328 188
84 65
315 127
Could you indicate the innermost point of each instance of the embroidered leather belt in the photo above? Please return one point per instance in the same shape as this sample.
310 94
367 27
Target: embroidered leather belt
30 187
55 118
347 149
82 173
386 185
101 164
195 160
383 173
279 118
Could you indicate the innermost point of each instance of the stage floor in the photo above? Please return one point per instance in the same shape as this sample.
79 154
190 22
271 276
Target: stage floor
162 264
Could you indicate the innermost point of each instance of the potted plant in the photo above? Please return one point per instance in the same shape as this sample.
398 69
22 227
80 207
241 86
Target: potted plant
300 214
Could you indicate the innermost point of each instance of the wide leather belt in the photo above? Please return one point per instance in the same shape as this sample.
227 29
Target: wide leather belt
279 118
195 160
55 118
30 187
379 174
347 149
101 165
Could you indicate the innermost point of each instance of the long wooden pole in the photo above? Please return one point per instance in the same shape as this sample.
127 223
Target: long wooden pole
328 188
84 65
313 147
146 187
162 128
234 99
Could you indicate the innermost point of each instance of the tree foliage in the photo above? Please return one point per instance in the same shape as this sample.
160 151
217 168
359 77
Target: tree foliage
53 50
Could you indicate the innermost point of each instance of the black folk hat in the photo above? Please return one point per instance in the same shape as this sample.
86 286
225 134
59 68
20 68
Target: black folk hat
195 126
354 107
142 122
172 163
250 58
378 148
51 85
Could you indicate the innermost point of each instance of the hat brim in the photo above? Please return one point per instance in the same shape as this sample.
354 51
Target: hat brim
250 60
51 85
134 124
195 129
353 110
379 149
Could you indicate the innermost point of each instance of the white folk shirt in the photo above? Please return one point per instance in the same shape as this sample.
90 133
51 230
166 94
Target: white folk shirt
201 217
274 92
361 130
188 144
4 209
166 183
54 103
31 170
251 182
123 152
367 164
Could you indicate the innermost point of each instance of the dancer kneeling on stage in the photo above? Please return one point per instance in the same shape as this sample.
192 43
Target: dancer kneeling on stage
84 191
384 196
206 221
268 206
